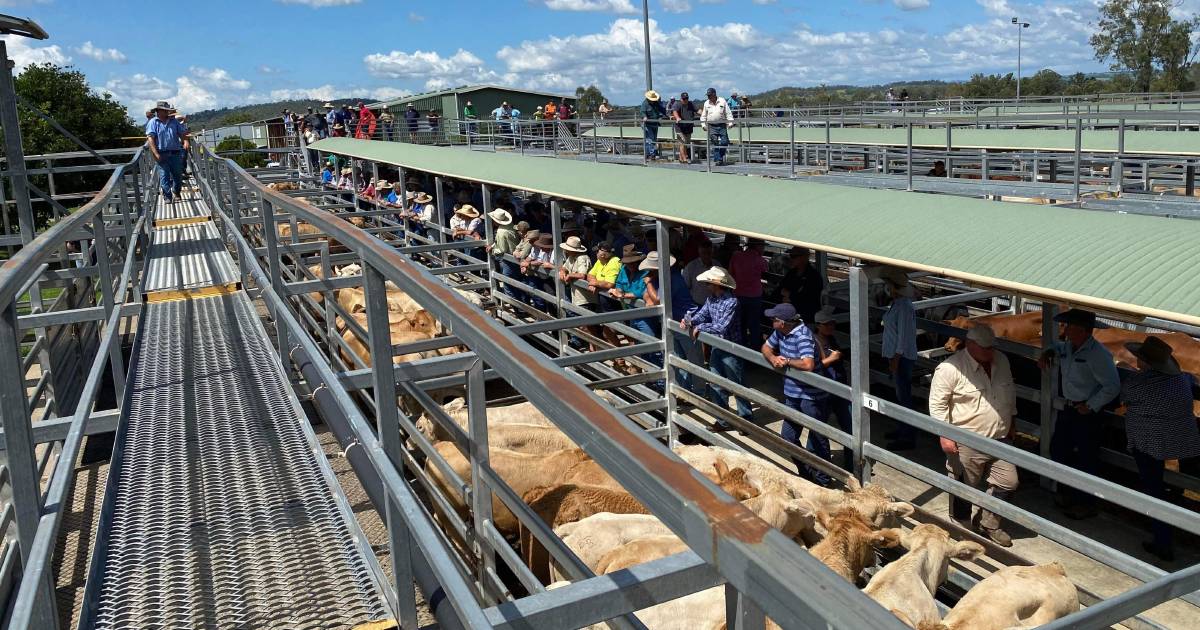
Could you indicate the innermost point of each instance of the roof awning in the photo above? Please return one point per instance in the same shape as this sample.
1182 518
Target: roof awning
1137 265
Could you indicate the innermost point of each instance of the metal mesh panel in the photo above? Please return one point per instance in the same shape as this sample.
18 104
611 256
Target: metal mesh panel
221 517
187 257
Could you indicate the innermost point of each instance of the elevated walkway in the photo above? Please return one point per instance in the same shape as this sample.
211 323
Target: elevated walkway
219 511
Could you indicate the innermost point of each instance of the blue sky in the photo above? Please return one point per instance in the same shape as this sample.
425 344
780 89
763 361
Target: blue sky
246 51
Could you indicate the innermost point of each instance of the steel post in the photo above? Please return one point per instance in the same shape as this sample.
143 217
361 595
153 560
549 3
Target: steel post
489 232
558 255
104 262
481 495
270 235
663 238
792 146
908 158
1049 385
860 369
439 215
1118 174
1078 158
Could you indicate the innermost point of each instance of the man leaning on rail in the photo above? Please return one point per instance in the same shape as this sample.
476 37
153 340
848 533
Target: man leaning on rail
1089 383
167 139
974 390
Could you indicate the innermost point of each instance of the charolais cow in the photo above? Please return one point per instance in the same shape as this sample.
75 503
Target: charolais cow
1014 597
907 586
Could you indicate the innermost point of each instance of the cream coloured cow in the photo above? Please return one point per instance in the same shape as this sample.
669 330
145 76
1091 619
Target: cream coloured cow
907 586
1014 597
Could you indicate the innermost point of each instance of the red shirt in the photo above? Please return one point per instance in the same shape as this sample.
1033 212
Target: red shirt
747 268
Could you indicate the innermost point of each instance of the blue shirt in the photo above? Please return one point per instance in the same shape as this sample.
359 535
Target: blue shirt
168 136
718 316
900 330
635 285
327 176
797 344
681 296
392 198
1088 374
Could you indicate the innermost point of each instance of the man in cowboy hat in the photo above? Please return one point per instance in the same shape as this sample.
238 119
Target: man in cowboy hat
1089 382
900 348
974 390
574 269
652 111
1160 425
386 120
504 244
330 116
718 316
537 263
167 139
791 346
420 213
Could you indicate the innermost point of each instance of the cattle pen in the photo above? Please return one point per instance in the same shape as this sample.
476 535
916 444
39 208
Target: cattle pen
266 472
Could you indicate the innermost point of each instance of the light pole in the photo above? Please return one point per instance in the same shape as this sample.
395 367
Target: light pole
1020 27
646 27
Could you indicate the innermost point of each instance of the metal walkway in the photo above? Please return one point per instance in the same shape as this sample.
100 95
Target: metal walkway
219 511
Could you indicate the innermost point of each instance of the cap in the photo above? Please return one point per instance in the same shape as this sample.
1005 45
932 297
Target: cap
983 335
783 311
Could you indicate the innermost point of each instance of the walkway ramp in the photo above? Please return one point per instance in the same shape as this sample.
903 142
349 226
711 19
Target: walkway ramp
219 512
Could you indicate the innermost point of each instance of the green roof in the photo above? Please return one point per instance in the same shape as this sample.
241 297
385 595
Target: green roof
1141 142
1134 264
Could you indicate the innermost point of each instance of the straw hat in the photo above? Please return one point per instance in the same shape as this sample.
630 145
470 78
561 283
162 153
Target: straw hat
652 96
573 244
651 262
396 185
1156 354
423 198
347 171
532 235
328 106
718 276
164 105
544 241
500 216
894 276
383 183
468 211
630 254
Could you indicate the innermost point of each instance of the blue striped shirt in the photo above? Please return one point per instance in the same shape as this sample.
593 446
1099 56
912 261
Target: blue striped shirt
718 316
900 330
798 344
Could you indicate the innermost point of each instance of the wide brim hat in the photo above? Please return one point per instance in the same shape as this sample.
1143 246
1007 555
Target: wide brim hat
1079 317
423 198
500 216
396 185
652 96
468 211
651 262
718 276
630 254
163 105
544 241
573 244
824 317
1155 353
533 235
347 171
328 106
383 183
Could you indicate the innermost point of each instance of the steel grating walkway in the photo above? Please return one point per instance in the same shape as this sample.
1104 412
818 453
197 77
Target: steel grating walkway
188 257
218 512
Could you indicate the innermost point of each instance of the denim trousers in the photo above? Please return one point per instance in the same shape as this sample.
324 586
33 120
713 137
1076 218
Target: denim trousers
817 444
718 138
727 366
751 312
650 135
170 173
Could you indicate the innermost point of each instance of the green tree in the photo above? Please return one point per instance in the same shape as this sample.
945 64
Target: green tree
1045 83
588 99
990 86
246 154
1142 37
97 119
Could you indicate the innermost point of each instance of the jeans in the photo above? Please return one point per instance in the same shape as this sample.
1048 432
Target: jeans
727 366
647 327
840 408
170 173
1150 470
511 271
751 312
685 346
1076 443
718 138
650 134
387 132
817 444
902 384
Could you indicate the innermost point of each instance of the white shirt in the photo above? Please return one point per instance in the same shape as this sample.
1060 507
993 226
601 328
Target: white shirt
717 112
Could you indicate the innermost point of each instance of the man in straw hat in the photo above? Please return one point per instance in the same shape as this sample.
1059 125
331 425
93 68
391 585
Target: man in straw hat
573 271
504 244
718 316
167 139
974 390
467 225
1089 382
791 347
652 112
1160 425
900 348
539 261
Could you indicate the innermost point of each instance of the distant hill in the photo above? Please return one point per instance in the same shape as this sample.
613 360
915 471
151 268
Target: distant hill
213 118
822 94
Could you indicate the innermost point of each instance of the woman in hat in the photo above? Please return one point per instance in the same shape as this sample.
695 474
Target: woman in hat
651 297
1159 424
719 316
394 195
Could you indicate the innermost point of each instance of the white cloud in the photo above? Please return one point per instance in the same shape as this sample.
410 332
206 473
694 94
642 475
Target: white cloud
23 53
675 6
996 7
415 17
438 71
318 4
101 54
217 79
606 6
201 88
911 5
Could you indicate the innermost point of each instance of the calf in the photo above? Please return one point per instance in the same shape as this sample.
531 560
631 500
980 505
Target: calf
849 544
1023 328
907 586
1014 597
520 413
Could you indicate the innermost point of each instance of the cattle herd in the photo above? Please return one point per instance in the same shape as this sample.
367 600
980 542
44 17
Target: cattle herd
609 530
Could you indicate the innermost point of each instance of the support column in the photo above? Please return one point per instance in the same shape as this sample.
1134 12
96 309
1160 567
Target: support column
663 238
1049 386
559 289
860 369
481 494
489 232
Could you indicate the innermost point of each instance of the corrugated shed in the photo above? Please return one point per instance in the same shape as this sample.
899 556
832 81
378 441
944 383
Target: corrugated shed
1128 263
188 257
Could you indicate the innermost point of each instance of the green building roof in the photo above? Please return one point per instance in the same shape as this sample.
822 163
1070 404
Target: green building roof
1123 263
